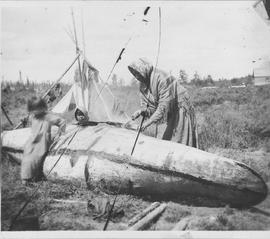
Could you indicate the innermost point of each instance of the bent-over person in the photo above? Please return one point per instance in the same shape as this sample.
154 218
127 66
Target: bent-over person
163 99
37 146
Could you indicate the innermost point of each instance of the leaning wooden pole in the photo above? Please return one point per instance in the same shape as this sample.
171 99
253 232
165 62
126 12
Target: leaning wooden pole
76 41
57 81
83 35
61 77
77 49
5 113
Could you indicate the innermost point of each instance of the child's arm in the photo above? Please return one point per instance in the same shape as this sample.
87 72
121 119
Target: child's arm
58 121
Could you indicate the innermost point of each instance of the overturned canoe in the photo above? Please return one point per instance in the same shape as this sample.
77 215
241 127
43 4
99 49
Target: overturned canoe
100 155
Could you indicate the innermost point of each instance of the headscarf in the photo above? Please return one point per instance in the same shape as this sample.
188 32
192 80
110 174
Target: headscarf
141 70
81 112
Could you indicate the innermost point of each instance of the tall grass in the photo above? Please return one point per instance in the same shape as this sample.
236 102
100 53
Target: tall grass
240 120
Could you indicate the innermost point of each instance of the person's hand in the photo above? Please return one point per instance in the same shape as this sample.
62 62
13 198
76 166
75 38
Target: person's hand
142 112
131 124
136 114
145 125
127 124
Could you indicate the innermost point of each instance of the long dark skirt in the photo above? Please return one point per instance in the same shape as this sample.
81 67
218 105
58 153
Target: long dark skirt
181 127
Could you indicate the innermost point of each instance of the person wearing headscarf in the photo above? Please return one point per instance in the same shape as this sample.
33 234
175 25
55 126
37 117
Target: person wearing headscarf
164 100
37 146
81 116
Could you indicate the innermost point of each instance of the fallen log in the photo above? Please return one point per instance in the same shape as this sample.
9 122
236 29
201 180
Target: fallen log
182 224
143 213
145 222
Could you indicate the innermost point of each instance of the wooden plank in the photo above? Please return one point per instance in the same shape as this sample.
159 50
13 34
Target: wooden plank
146 221
143 213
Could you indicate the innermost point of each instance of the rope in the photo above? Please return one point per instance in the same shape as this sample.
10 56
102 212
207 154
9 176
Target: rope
37 188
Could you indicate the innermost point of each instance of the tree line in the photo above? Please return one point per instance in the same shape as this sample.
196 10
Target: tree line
196 80
116 81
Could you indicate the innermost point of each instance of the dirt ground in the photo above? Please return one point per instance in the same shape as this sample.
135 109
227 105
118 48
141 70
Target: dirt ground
46 213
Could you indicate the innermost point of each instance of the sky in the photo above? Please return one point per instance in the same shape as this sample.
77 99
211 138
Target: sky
225 39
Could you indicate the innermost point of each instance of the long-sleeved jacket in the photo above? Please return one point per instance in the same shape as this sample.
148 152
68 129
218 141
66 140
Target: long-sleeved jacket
38 144
166 101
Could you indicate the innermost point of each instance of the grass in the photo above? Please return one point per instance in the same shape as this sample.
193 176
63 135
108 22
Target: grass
59 216
232 122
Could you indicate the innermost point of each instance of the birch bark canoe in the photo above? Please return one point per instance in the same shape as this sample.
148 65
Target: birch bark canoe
100 156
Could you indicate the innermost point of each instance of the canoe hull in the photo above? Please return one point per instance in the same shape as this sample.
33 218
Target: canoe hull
99 156
102 172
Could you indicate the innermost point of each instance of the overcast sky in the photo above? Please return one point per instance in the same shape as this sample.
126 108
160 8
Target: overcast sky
220 38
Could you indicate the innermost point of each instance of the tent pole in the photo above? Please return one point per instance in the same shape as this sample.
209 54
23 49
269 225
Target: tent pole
5 113
83 38
77 50
59 79
76 41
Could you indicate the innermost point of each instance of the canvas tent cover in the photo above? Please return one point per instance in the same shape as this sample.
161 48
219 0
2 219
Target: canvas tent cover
92 97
